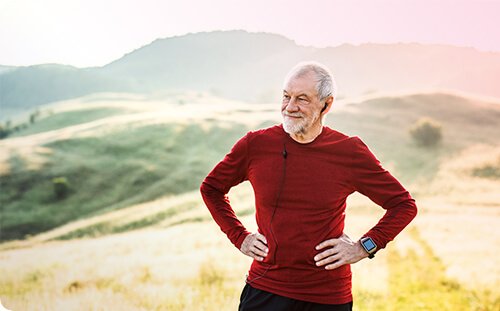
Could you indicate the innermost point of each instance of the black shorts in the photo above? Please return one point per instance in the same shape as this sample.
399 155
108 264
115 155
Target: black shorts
253 299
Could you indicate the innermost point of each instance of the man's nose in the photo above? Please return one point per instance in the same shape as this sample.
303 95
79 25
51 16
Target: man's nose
292 105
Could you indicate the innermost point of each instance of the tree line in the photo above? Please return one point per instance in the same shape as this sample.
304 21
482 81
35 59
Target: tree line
7 129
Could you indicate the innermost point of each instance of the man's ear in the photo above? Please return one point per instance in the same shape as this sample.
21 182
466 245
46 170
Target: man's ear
328 105
324 107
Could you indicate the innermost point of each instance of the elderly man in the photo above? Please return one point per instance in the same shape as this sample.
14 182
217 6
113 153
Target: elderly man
302 173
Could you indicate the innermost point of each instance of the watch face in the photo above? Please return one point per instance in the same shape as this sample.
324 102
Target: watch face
369 245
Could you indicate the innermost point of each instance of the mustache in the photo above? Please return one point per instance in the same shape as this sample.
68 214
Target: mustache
293 114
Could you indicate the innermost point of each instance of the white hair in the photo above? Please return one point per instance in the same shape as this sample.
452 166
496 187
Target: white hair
325 85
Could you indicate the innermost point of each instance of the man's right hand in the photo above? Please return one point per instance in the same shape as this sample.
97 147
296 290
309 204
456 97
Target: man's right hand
255 246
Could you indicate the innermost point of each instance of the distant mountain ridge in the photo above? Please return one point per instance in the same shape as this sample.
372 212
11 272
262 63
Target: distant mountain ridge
243 66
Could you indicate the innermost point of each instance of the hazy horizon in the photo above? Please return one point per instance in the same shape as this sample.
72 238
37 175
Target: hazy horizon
94 33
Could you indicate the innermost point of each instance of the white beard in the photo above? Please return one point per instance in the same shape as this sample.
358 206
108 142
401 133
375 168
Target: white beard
298 127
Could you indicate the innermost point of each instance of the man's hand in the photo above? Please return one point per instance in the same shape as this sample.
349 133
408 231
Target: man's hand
255 246
343 251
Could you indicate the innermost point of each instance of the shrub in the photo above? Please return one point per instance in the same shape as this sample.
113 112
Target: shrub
489 171
34 116
427 132
61 187
4 131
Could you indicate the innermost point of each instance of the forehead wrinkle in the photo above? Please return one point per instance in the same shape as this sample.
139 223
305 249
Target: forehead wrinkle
302 84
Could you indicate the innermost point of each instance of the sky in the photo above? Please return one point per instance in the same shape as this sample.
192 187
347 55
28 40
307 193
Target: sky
85 33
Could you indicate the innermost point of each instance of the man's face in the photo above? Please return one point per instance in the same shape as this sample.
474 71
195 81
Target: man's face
300 106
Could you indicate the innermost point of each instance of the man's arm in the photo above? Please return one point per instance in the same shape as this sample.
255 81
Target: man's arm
231 171
379 185
372 180
220 208
253 245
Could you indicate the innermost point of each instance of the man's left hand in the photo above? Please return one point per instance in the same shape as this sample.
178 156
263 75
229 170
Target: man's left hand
341 251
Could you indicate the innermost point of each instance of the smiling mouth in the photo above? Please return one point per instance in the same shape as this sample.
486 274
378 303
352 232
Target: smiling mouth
293 116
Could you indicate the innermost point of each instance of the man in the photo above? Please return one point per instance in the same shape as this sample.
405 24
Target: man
302 173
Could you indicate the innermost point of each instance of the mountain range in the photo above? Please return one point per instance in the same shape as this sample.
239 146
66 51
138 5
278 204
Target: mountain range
251 67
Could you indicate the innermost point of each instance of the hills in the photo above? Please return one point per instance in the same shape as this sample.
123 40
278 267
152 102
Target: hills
131 230
250 67
118 150
128 229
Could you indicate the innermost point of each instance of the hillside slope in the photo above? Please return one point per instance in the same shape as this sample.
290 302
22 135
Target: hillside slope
117 151
115 154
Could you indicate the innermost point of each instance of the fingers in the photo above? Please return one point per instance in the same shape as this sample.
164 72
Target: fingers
338 252
332 242
261 238
332 262
327 243
255 246
259 249
327 257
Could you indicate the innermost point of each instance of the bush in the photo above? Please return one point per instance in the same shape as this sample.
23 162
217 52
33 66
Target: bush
61 187
427 132
488 171
4 131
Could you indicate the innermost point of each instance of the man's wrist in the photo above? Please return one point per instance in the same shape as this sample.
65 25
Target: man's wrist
362 252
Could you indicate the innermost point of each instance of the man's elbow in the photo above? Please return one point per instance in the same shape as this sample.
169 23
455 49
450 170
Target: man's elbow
204 189
209 191
412 209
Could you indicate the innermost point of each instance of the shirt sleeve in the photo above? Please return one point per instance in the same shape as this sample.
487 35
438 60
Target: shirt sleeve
231 171
372 180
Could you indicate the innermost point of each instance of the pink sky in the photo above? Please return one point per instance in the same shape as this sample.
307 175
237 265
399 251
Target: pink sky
95 32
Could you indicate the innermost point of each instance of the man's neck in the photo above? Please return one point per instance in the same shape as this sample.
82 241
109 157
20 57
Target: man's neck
307 137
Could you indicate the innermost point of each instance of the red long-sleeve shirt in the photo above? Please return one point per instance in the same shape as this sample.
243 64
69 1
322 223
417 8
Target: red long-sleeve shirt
315 183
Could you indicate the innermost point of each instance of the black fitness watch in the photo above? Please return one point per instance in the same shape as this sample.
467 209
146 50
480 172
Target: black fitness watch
369 246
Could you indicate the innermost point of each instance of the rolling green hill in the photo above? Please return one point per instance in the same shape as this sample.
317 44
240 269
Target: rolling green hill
109 163
117 152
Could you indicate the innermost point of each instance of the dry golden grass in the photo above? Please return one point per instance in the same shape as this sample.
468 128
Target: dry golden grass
194 267
455 183
143 270
464 238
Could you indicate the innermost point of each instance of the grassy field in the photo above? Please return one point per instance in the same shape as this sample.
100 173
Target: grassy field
192 266
133 233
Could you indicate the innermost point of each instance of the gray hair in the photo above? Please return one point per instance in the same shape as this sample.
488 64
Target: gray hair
325 85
